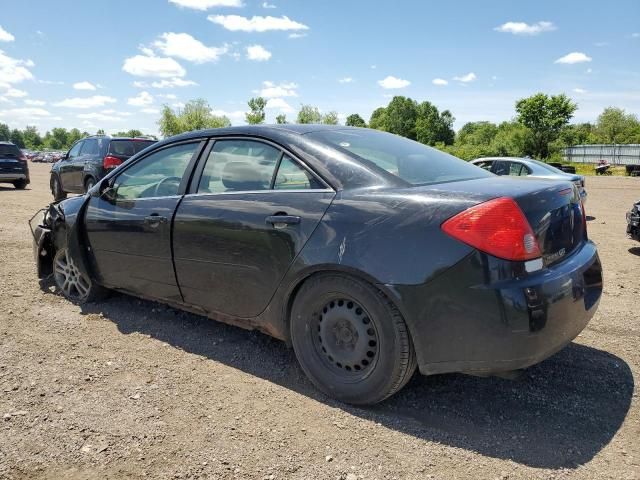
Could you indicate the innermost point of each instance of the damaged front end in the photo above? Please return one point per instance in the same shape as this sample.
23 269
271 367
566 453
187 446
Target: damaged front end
633 222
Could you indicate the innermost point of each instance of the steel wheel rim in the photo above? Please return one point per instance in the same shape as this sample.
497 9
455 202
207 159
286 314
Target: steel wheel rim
72 282
345 338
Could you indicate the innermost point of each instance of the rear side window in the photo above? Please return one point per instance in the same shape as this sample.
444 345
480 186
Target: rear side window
90 147
9 151
239 165
411 161
291 176
128 148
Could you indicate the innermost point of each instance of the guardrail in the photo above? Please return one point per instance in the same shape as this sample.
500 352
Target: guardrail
628 154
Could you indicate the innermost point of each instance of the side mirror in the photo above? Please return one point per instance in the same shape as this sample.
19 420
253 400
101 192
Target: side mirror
105 189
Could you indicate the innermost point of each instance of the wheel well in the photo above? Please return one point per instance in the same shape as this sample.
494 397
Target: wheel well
301 281
86 178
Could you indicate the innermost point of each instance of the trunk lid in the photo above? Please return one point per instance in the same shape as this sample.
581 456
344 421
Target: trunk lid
553 208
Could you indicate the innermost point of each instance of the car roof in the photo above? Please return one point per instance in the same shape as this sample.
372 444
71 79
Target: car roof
3 142
259 130
517 159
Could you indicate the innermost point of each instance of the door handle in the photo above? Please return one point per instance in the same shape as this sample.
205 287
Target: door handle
154 219
281 221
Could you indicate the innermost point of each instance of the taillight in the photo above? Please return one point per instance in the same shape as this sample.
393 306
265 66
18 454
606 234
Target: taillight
497 227
110 162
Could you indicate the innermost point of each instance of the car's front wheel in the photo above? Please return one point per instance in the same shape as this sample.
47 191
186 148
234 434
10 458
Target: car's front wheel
74 285
56 189
350 340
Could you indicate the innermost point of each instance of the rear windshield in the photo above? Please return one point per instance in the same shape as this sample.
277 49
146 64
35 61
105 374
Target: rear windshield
9 151
128 148
413 162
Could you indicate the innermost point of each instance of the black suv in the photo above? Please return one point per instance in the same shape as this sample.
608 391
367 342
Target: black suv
89 160
13 166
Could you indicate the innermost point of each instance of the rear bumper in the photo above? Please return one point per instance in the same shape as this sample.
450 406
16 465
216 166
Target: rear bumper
461 323
10 177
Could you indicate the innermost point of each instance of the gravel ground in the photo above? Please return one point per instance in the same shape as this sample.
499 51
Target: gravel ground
130 389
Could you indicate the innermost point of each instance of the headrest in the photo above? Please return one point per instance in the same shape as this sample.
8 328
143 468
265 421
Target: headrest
244 176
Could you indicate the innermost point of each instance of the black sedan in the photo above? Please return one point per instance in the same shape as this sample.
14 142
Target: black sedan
369 253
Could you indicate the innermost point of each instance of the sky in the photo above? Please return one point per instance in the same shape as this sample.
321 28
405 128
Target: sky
114 64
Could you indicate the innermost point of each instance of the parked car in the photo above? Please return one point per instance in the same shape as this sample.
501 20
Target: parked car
368 252
13 166
89 160
528 167
633 221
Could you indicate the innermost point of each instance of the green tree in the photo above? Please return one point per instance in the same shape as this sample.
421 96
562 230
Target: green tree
281 119
130 133
401 115
57 139
32 138
5 132
614 125
195 115
545 116
330 118
355 120
512 139
432 126
477 133
74 136
309 114
16 138
100 132
256 114
378 120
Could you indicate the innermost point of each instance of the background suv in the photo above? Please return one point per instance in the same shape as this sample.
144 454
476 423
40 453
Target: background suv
13 166
89 160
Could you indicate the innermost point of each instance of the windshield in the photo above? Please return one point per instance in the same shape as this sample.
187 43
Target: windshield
548 167
410 161
128 148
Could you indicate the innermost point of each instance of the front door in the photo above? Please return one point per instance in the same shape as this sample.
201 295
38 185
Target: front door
129 226
66 169
236 235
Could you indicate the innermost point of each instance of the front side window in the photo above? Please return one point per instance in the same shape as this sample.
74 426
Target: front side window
75 150
239 165
156 175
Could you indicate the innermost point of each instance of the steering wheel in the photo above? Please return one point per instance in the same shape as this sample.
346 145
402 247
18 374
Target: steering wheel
157 191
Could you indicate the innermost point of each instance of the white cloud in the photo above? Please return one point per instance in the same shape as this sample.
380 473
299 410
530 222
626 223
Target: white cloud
147 66
173 82
469 77
84 86
522 28
150 110
271 90
281 104
100 117
392 82
441 82
85 102
144 98
183 45
237 115
258 53
297 35
168 96
15 93
268 5
635 35
345 80
25 113
111 111
13 70
589 70
50 82
573 57
35 103
5 36
206 4
237 23
580 90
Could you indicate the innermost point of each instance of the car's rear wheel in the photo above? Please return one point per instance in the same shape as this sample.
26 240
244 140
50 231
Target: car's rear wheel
20 184
89 183
74 285
56 189
350 340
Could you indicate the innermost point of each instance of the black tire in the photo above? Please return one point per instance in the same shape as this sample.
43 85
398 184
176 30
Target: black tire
20 184
350 340
89 182
73 284
56 189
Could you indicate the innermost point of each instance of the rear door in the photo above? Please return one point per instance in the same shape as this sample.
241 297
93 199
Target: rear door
248 215
129 226
90 150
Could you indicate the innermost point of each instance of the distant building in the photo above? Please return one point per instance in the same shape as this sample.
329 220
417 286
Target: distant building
614 154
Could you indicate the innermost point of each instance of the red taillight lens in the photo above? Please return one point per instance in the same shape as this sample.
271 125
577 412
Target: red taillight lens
110 162
497 227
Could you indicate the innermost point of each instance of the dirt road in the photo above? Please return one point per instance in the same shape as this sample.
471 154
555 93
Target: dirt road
132 389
